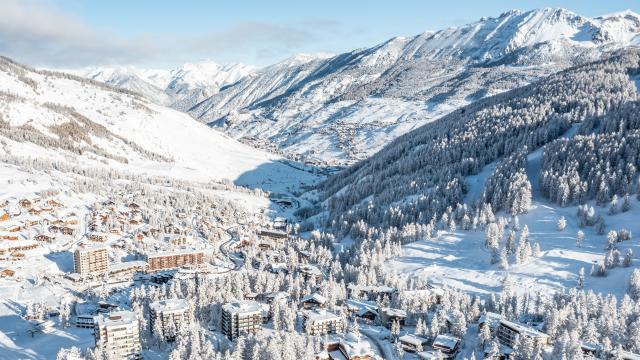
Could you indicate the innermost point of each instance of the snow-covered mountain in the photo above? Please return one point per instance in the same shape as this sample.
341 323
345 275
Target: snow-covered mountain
58 117
348 106
179 88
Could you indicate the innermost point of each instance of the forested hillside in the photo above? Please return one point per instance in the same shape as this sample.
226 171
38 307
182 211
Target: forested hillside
421 175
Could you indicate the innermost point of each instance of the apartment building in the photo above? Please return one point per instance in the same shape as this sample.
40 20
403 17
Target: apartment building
509 331
171 313
321 322
174 259
90 260
119 333
243 317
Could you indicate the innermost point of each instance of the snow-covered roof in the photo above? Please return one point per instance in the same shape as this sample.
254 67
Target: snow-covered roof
276 296
446 341
413 340
244 307
117 318
169 305
394 312
90 247
430 355
321 315
315 297
359 304
523 329
311 269
98 233
355 347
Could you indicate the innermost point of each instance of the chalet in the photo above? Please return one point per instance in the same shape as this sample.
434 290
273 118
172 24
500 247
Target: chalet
362 308
390 316
314 301
98 236
350 346
413 343
448 345
509 331
46 237
57 222
54 229
105 307
54 203
25 203
7 273
71 220
46 208
276 236
35 211
65 230
11 226
7 235
276 297
18 256
32 221
133 206
250 296
311 272
591 351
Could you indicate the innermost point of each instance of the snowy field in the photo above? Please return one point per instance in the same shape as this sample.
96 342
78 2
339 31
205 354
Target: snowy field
460 260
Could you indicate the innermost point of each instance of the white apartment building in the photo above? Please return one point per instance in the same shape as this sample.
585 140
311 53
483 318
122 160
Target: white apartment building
90 260
119 333
242 317
170 312
321 322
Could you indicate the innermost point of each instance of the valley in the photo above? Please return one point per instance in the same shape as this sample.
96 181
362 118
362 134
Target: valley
471 192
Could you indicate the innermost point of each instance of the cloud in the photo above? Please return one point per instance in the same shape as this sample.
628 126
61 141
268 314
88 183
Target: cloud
261 39
38 33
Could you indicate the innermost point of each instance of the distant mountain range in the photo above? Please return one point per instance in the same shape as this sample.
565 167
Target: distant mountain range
179 88
341 108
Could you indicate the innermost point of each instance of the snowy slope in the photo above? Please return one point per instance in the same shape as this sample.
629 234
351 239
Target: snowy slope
347 106
88 123
459 258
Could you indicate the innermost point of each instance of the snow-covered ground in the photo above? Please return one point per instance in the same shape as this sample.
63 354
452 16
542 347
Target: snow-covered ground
460 260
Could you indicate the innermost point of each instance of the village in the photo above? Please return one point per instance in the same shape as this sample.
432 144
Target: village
117 248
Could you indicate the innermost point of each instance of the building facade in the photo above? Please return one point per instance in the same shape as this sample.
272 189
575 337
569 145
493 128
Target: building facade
321 322
174 259
509 331
90 260
242 317
171 313
119 333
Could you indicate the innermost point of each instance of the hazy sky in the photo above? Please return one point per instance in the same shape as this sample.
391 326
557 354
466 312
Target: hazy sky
162 33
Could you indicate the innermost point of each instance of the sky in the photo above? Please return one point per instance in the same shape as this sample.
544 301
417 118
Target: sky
164 34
